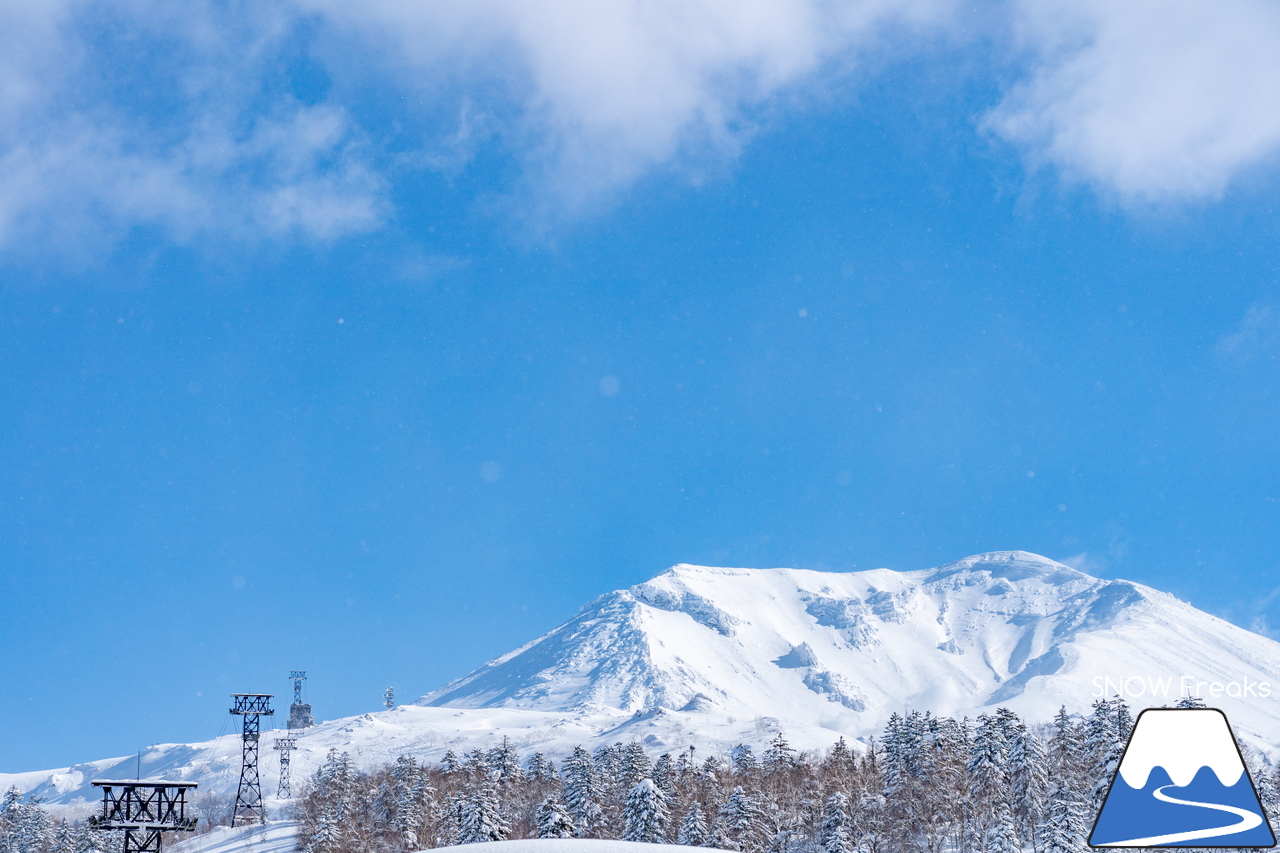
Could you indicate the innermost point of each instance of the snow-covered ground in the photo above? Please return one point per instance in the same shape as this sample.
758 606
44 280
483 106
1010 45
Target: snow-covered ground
566 845
282 836
274 837
713 657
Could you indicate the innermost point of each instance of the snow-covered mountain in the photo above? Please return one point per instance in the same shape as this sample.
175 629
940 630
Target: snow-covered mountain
843 651
714 656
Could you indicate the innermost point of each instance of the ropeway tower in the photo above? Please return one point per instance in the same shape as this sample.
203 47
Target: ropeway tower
251 706
299 711
143 809
286 744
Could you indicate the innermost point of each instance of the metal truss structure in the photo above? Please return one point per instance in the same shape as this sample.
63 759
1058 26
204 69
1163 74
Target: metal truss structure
144 809
251 706
299 711
286 744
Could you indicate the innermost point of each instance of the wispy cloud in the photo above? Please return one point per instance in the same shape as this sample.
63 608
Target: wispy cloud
80 159
183 124
596 95
1151 101
1258 332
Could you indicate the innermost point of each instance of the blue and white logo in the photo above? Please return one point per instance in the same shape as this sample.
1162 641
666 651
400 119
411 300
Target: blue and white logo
1182 783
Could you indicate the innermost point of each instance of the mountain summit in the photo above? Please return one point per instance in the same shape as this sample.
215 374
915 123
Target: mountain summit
842 651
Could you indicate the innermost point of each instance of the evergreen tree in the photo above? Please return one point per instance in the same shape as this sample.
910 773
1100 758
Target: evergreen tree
65 837
633 765
742 819
988 757
1026 782
582 792
538 769
744 760
779 756
665 775
835 825
504 763
450 763
840 751
645 815
693 829
1063 828
475 763
481 818
686 764
1002 837
553 820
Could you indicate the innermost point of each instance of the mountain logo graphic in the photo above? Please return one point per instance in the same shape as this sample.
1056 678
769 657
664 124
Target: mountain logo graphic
1182 783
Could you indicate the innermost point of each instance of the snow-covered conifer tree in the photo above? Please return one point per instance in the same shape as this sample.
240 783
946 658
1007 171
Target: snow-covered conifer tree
665 775
553 820
475 763
326 835
835 825
1062 829
988 757
481 818
742 819
779 755
538 769
1026 782
450 763
633 765
504 763
645 815
686 763
840 751
582 792
693 829
1002 836
744 760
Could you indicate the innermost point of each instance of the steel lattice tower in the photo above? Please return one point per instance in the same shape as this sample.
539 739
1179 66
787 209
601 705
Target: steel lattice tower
144 809
299 712
251 706
286 744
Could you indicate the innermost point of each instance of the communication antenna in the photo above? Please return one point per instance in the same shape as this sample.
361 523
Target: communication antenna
299 711
144 809
286 744
389 698
251 706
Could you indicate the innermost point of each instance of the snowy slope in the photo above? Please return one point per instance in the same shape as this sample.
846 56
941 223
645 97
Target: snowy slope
843 651
275 837
712 657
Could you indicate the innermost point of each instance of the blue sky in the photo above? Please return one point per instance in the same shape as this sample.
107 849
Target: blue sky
374 342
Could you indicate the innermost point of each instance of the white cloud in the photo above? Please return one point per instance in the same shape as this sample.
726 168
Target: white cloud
80 160
1256 334
605 93
1090 564
1149 100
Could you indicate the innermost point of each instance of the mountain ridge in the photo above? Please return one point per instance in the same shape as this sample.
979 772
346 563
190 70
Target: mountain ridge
711 657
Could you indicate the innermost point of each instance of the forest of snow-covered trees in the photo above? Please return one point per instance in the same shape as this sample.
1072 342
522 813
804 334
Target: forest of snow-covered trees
927 785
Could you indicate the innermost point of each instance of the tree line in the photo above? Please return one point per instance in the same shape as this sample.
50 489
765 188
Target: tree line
928 784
